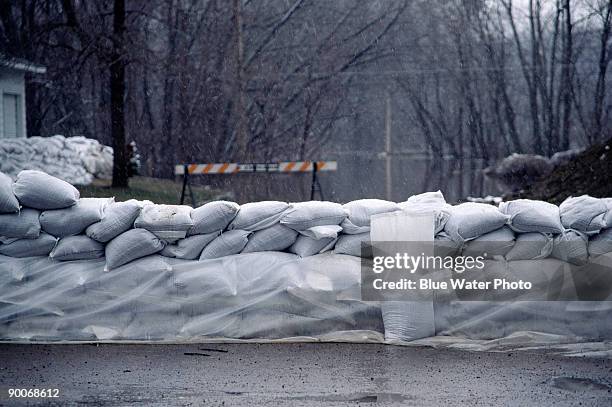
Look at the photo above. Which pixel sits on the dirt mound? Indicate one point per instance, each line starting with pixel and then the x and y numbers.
pixel 587 173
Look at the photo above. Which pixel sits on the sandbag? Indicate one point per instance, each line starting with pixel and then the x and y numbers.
pixel 444 245
pixel 21 225
pixel 351 244
pixel 168 222
pixel 304 215
pixel 584 214
pixel 258 215
pixel 212 217
pixel 41 246
pixel 189 248
pixel 274 238
pixel 469 220
pixel 118 217
pixel 8 201
pixel 305 246
pixel 131 245
pixel 75 219
pixel 571 246
pixel 496 243
pixel 600 243
pixel 230 242
pixel 77 248
pixel 429 202
pixel 38 190
pixel 531 246
pixel 322 232
pixel 360 211
pixel 527 215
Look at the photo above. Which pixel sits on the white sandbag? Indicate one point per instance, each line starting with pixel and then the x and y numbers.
pixel 360 211
pixel 496 243
pixel 531 246
pixel 41 246
pixel 527 215
pixel 600 243
pixel 230 242
pixel 351 244
pixel 75 219
pixel 322 232
pixel 429 202
pixel 189 248
pixel 469 220
pixel 258 215
pixel 22 225
pixel 571 246
pixel 77 248
pixel 213 217
pixel 131 245
pixel 274 238
pixel 38 190
pixel 168 222
pixel 8 201
pixel 305 215
pixel 305 246
pixel 444 245
pixel 118 217
pixel 584 214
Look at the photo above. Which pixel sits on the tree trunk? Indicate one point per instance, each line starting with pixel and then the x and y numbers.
pixel 117 88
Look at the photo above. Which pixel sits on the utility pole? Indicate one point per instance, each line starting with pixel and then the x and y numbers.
pixel 388 167
pixel 241 133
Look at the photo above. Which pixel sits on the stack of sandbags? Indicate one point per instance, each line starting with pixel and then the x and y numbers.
pixel 77 160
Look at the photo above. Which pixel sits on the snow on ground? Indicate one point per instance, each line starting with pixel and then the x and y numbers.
pixel 78 160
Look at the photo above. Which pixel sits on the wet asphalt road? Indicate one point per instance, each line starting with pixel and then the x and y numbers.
pixel 300 374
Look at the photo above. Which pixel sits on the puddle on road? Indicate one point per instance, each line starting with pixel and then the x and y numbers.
pixel 357 397
pixel 579 384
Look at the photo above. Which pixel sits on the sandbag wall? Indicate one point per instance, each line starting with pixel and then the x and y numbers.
pixel 43 216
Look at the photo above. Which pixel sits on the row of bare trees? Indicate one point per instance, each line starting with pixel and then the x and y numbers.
pixel 216 80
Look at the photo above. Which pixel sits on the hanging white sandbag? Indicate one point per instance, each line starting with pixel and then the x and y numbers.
pixel 254 216
pixel 469 220
pixel 527 215
pixel 22 225
pixel 8 201
pixel 213 217
pixel 77 248
pixel 41 246
pixel 189 248
pixel 584 214
pixel 229 243
pixel 531 246
pixel 118 217
pixel 131 245
pixel 75 219
pixel 36 189
pixel 168 222
pixel 274 238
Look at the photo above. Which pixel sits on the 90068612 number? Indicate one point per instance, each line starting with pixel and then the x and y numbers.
pixel 33 393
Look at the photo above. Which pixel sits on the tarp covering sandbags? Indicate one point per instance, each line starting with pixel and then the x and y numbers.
pixel 83 269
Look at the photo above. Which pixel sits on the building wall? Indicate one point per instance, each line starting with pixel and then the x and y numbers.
pixel 13 82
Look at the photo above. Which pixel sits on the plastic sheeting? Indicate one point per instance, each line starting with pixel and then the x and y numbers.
pixel 271 296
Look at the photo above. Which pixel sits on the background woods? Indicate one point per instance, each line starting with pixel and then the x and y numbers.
pixel 254 80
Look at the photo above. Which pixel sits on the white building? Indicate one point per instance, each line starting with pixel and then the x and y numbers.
pixel 12 95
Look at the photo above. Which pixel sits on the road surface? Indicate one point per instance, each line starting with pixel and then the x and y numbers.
pixel 299 375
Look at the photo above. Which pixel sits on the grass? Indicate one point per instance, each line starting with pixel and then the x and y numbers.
pixel 161 191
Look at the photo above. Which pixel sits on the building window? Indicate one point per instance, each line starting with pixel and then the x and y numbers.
pixel 11 115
